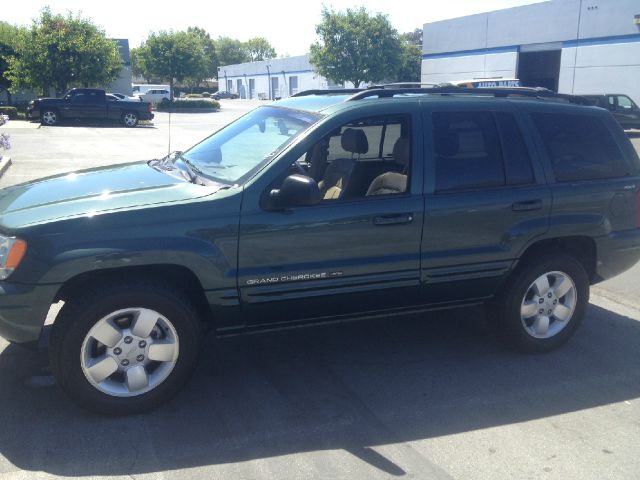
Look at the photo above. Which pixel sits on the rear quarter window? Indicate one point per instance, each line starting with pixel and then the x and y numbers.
pixel 467 151
pixel 580 147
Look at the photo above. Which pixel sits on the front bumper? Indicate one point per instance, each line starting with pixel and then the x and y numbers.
pixel 33 113
pixel 617 252
pixel 23 310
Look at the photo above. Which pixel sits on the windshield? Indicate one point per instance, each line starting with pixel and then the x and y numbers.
pixel 234 153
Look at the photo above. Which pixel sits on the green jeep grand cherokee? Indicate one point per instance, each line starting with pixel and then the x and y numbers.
pixel 323 206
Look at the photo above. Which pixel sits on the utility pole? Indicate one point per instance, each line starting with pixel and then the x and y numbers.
pixel 269 80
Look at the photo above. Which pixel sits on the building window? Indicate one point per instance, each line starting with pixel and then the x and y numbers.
pixel 293 85
pixel 240 89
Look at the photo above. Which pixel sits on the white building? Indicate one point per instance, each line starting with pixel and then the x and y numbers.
pixel 271 79
pixel 572 46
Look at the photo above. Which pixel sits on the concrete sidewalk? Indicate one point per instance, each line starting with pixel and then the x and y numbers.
pixel 20 125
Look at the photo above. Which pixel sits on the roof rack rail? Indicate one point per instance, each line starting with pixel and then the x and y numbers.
pixel 331 91
pixel 403 85
pixel 382 91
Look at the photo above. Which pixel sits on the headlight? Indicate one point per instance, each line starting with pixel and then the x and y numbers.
pixel 11 252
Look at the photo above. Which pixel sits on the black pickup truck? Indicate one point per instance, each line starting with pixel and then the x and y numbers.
pixel 88 104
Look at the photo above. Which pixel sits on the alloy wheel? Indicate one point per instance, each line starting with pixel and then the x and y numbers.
pixel 548 305
pixel 129 352
pixel 130 120
pixel 49 117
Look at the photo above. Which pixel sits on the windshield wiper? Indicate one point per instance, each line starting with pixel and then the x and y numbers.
pixel 167 164
pixel 164 163
pixel 190 164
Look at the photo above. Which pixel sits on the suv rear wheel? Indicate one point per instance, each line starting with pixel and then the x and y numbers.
pixel 129 119
pixel 125 348
pixel 543 303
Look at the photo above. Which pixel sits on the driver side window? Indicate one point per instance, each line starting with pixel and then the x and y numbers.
pixel 366 158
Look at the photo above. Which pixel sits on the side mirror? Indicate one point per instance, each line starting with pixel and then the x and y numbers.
pixel 296 191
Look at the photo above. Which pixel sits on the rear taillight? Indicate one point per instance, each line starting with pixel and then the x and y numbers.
pixel 149 108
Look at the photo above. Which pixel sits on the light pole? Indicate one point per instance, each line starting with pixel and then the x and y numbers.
pixel 269 79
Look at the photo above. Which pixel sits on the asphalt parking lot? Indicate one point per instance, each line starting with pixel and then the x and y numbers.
pixel 425 397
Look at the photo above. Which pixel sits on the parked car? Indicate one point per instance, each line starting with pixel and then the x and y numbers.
pixel 623 109
pixel 224 94
pixel 155 95
pixel 88 104
pixel 122 96
pixel 321 207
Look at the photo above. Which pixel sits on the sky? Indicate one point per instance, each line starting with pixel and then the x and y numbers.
pixel 288 24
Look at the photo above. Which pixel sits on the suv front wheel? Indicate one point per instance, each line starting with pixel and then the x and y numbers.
pixel 543 303
pixel 124 349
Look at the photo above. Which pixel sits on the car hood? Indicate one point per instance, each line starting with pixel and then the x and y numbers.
pixel 92 192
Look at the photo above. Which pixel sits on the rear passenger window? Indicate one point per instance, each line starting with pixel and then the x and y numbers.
pixel 580 147
pixel 467 151
pixel 517 161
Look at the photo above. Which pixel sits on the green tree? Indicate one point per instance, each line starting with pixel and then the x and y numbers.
pixel 414 38
pixel 9 35
pixel 138 66
pixel 231 51
pixel 259 48
pixel 356 46
pixel 63 51
pixel 211 58
pixel 174 56
pixel 410 63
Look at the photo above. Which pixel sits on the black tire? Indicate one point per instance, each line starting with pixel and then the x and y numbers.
pixel 81 313
pixel 507 306
pixel 50 117
pixel 129 119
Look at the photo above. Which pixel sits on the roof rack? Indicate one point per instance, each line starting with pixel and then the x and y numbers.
pixel 332 91
pixel 404 88
pixel 404 85
pixel 384 91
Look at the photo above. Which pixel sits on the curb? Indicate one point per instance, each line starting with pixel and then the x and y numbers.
pixel 5 163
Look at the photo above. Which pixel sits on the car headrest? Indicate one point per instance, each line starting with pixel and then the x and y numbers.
pixel 447 143
pixel 354 141
pixel 402 151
